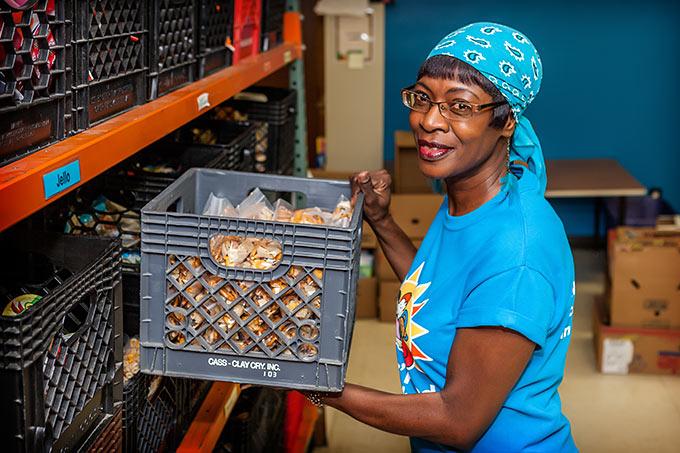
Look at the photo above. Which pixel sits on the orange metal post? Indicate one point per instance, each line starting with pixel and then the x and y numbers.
pixel 207 427
pixel 292 28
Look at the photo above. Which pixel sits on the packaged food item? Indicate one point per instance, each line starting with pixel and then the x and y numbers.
pixel 310 216
pixel 342 214
pixel 203 136
pixel 219 206
pixel 283 211
pixel 131 359
pixel 160 169
pixel 256 206
pixel 20 304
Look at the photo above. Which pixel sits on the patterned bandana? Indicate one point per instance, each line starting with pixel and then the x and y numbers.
pixel 510 61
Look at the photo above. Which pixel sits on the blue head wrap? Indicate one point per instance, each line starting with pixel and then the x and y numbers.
pixel 510 61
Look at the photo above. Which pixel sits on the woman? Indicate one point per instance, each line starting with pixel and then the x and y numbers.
pixel 484 311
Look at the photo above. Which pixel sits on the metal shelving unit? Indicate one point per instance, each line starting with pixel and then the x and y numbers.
pixel 35 181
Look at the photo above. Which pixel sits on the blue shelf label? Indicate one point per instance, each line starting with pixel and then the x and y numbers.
pixel 61 179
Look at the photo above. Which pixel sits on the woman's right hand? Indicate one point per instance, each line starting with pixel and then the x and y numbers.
pixel 376 188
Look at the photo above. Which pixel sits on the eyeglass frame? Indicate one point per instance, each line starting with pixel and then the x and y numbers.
pixel 476 108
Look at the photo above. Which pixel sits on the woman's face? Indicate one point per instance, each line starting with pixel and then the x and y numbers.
pixel 454 148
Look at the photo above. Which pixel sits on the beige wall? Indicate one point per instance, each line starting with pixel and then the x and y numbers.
pixel 354 103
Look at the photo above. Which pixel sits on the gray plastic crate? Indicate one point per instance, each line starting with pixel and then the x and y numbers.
pixel 279 348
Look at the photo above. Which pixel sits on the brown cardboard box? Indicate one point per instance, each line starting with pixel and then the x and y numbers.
pixel 407 175
pixel 382 267
pixel 367 298
pixel 388 293
pixel 330 174
pixel 368 239
pixel 624 350
pixel 644 267
pixel 415 212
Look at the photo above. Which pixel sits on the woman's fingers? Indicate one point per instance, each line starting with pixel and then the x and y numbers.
pixel 356 187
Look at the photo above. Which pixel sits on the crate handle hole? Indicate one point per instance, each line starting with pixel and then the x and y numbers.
pixel 79 318
pixel 245 252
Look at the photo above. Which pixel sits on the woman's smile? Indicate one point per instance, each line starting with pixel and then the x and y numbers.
pixel 433 151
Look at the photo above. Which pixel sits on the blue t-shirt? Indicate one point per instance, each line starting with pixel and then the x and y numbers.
pixel 508 263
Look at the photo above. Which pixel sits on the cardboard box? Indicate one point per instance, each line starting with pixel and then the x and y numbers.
pixel 330 174
pixel 624 350
pixel 367 298
pixel 644 267
pixel 407 175
pixel 388 293
pixel 382 267
pixel 368 238
pixel 415 212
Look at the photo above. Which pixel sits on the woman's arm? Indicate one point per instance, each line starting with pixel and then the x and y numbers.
pixel 398 248
pixel 484 365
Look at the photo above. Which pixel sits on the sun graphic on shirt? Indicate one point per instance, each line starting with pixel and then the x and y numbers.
pixel 408 331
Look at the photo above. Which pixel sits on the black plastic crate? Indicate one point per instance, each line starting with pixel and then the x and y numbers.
pixel 108 436
pixel 34 76
pixel 60 360
pixel 173 46
pixel 272 23
pixel 141 176
pixel 158 411
pixel 289 326
pixel 109 47
pixel 148 419
pixel 256 422
pixel 216 20
pixel 84 213
pixel 276 107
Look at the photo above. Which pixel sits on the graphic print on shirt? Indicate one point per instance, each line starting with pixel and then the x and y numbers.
pixel 408 330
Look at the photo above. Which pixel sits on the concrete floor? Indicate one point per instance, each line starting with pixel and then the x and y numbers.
pixel 608 413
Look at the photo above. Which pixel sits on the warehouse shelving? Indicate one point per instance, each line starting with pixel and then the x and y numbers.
pixel 22 186
pixel 207 426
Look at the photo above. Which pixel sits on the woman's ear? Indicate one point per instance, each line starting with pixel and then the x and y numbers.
pixel 509 127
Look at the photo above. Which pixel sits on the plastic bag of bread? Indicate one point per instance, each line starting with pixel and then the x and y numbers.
pixel 283 211
pixel 219 206
pixel 311 216
pixel 131 359
pixel 342 214
pixel 256 206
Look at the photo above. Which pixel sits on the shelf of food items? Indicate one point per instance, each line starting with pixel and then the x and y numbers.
pixel 86 85
pixel 69 346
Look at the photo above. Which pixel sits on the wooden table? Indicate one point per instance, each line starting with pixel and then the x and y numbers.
pixel 592 178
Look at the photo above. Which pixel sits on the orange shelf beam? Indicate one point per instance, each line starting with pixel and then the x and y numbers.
pixel 103 146
pixel 207 427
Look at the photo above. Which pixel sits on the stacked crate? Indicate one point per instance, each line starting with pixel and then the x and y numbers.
pixel 35 71
pixel 110 58
pixel 60 359
pixel 247 26
pixel 216 22
pixel 276 107
pixel 272 23
pixel 172 53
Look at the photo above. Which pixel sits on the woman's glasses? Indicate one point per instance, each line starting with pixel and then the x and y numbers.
pixel 451 110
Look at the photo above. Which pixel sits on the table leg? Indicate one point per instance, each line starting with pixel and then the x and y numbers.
pixel 622 211
pixel 598 215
